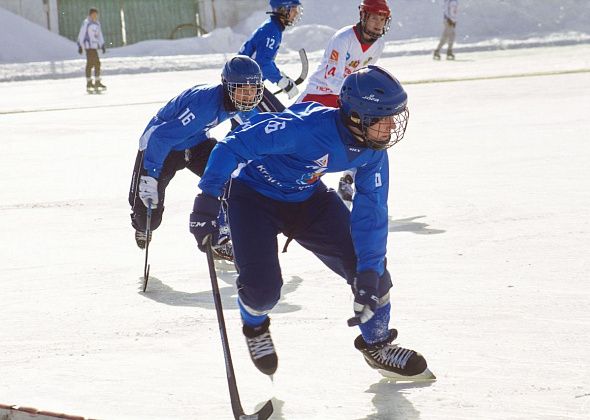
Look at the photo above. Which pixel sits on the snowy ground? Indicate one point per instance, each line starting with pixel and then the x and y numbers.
pixel 488 249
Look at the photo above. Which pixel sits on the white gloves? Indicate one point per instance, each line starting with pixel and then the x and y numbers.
pixel 288 85
pixel 148 190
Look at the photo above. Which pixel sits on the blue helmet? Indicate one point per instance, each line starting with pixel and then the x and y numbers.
pixel 240 72
pixel 367 98
pixel 282 9
pixel 275 4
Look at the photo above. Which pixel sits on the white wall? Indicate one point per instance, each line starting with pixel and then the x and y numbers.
pixel 41 12
pixel 222 13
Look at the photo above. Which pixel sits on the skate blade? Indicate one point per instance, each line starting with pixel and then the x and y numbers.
pixel 426 376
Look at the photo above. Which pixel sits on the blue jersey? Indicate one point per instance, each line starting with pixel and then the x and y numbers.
pixel 283 156
pixel 263 46
pixel 182 123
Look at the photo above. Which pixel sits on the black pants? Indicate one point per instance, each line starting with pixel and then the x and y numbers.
pixel 92 60
pixel 195 159
pixel 320 224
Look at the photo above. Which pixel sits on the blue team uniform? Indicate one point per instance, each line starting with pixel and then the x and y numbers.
pixel 174 139
pixel 263 45
pixel 281 158
pixel 182 124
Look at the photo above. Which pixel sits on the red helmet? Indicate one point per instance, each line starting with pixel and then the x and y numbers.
pixel 379 7
pixel 376 7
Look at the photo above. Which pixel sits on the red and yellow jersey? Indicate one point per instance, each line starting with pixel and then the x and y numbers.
pixel 344 54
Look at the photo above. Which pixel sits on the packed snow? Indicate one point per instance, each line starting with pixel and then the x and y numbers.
pixel 488 246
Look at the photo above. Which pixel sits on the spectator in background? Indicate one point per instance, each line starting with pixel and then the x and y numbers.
pixel 90 39
pixel 448 35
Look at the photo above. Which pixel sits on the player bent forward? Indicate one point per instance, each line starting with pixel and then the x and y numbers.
pixel 278 190
pixel 177 138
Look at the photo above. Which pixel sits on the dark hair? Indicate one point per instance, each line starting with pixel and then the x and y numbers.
pixel 92 10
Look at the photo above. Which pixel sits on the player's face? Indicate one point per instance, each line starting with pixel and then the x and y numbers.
pixel 246 94
pixel 293 15
pixel 94 16
pixel 375 23
pixel 381 130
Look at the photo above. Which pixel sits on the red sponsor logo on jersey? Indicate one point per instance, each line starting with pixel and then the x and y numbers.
pixel 330 73
pixel 347 71
pixel 334 55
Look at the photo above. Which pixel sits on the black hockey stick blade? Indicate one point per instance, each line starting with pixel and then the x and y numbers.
pixel 264 413
pixel 304 69
pixel 266 410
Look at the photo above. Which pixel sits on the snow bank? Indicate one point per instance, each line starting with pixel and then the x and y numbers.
pixel 483 24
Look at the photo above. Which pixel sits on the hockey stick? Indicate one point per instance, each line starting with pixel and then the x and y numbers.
pixel 266 411
pixel 304 70
pixel 146 266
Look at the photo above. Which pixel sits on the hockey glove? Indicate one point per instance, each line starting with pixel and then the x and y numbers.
pixel 288 85
pixel 148 190
pixel 203 222
pixel 80 50
pixel 365 289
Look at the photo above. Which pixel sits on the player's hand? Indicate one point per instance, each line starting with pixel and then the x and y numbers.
pixel 365 288
pixel 104 50
pixel 80 50
pixel 203 221
pixel 288 85
pixel 148 191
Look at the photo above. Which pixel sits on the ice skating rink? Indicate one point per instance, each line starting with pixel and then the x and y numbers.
pixel 489 251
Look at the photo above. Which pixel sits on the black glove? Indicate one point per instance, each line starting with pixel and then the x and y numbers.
pixel 104 50
pixel 80 50
pixel 365 289
pixel 203 222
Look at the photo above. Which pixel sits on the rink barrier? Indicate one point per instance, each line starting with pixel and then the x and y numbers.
pixel 16 412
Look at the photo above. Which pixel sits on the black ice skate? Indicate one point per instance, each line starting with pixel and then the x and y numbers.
pixel 261 347
pixel 224 252
pixel 99 86
pixel 450 55
pixel 393 361
pixel 345 188
pixel 436 55
pixel 89 86
pixel 140 238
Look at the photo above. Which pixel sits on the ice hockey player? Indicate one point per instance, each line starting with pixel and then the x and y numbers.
pixel 450 9
pixel 177 138
pixel 264 43
pixel 90 38
pixel 278 189
pixel 350 49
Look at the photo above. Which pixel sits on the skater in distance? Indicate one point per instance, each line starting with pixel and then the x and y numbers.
pixel 90 39
pixel 281 158
pixel 177 137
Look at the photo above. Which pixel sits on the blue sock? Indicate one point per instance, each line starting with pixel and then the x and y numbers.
pixel 249 319
pixel 376 329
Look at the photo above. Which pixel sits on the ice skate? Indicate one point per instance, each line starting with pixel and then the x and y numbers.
pixel 436 55
pixel 261 347
pixel 89 86
pixel 450 55
pixel 140 238
pixel 99 87
pixel 393 361
pixel 346 188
